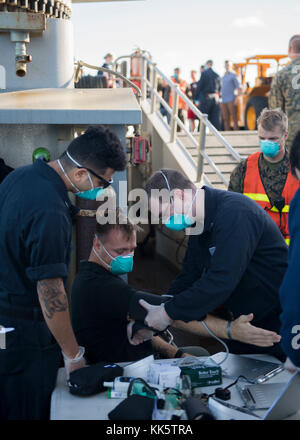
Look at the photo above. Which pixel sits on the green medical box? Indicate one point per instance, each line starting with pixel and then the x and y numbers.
pixel 203 376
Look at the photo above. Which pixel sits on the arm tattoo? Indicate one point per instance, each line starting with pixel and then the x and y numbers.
pixel 53 297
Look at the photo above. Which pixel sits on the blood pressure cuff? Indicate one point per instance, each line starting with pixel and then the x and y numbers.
pixel 136 311
pixel 135 407
pixel 138 325
pixel 89 380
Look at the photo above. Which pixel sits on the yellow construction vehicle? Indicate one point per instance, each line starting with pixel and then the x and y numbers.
pixel 253 99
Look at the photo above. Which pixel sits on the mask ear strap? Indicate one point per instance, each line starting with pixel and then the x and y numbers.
pixel 167 182
pixel 73 160
pixel 165 177
pixel 113 258
pixel 101 259
pixel 192 201
pixel 66 175
pixel 91 182
pixel 78 164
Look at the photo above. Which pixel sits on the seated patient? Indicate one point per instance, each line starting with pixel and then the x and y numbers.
pixel 102 302
pixel 101 299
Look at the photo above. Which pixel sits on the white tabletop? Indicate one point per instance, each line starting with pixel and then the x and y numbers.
pixel 65 406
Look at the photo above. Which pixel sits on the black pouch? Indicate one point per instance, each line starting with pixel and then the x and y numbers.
pixel 196 410
pixel 89 380
pixel 135 407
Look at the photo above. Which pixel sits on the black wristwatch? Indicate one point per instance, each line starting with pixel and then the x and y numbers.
pixel 178 353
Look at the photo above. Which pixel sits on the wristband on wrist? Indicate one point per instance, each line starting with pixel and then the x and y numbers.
pixel 77 358
pixel 228 330
pixel 178 353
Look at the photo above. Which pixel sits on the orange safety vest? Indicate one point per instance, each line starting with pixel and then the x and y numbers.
pixel 253 188
pixel 182 85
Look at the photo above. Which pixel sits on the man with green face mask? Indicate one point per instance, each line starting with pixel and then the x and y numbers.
pixel 265 176
pixel 102 302
pixel 235 258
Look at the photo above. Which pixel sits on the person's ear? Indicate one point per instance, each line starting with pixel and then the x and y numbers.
pixel 286 135
pixel 96 244
pixel 79 174
pixel 297 173
pixel 179 193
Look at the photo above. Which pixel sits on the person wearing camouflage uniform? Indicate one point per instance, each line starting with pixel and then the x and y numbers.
pixel 285 90
pixel 272 175
pixel 273 172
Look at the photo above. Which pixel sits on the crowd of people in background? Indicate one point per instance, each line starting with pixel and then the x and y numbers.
pixel 108 78
pixel 212 94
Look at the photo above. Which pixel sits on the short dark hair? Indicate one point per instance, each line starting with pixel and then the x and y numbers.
pixel 294 43
pixel 123 223
pixel 295 154
pixel 176 181
pixel 98 148
pixel 210 62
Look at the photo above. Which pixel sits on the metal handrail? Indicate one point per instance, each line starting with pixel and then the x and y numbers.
pixel 191 138
pixel 197 112
pixel 210 126
pixel 202 118
pixel 174 120
pixel 81 64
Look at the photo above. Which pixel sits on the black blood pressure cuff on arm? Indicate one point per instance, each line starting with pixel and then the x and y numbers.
pixel 138 325
pixel 136 311
pixel 89 380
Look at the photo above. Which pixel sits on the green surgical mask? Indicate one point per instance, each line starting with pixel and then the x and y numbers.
pixel 179 222
pixel 119 265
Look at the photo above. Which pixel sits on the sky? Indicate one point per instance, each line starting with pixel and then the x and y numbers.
pixel 184 33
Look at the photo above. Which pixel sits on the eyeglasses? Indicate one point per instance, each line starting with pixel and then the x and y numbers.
pixel 105 182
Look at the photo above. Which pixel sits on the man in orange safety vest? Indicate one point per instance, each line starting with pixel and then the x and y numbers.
pixel 176 79
pixel 265 176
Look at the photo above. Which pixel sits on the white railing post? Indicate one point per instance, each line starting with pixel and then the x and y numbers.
pixel 144 82
pixel 201 149
pixel 174 113
pixel 2 77
pixel 154 89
